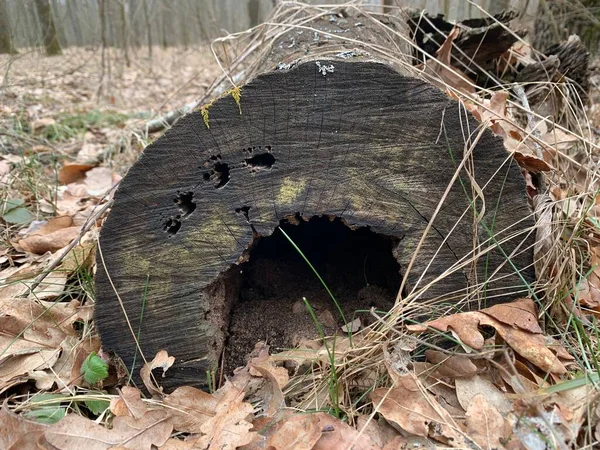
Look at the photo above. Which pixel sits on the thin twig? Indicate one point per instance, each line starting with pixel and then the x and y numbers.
pixel 91 220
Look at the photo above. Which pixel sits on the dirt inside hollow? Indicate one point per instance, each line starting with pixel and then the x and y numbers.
pixel 357 265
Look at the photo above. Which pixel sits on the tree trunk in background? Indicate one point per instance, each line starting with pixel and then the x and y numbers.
pixel 50 38
pixel 6 44
pixel 253 12
pixel 185 35
pixel 105 73
pixel 124 32
pixel 148 29
pixel 164 18
pixel 59 21
pixel 71 10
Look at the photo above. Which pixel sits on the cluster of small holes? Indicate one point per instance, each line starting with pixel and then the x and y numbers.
pixel 260 160
pixel 184 200
pixel 172 224
pixel 217 171
pixel 185 203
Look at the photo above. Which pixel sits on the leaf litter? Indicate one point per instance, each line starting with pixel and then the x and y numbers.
pixel 499 381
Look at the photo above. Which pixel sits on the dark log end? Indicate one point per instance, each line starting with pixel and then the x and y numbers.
pixel 355 142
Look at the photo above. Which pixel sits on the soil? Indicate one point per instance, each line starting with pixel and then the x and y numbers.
pixel 357 266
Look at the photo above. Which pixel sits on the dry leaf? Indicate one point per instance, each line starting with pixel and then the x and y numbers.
pixel 299 432
pixel 273 399
pixel 42 243
pixel 129 403
pixel 55 224
pixel 67 369
pixel 265 361
pixel 76 432
pixel 73 173
pixel 444 393
pixel 161 360
pixel 485 425
pixel 100 180
pixel 191 408
pixel 468 388
pixel 532 346
pixel 353 326
pixel 521 313
pixel 32 334
pixel 531 163
pixel 228 429
pixel 14 429
pixel 336 435
pixel 454 366
pixel 52 286
pixel 380 432
pixel 80 257
pixel 559 140
pixel 413 409
pixel 28 327
pixel 440 72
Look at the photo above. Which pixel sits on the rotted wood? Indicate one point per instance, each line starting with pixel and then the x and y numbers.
pixel 564 62
pixel 480 41
pixel 326 130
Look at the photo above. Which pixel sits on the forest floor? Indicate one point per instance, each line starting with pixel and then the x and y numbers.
pixel 70 127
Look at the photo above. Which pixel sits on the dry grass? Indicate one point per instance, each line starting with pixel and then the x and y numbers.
pixel 566 213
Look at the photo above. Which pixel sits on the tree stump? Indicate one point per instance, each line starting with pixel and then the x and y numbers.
pixel 351 155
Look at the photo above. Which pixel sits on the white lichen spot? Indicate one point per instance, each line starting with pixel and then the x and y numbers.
pixel 323 69
pixel 288 66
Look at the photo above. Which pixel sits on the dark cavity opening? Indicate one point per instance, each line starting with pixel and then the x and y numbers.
pixel 357 265
pixel 261 161
pixel 185 203
pixel 172 225
pixel 218 171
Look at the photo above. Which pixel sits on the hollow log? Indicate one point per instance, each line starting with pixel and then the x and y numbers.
pixel 331 132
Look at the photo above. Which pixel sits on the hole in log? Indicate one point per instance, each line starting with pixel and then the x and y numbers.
pixel 261 161
pixel 172 225
pixel 185 203
pixel 218 171
pixel 245 210
pixel 357 265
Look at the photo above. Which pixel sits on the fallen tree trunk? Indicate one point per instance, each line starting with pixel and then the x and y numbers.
pixel 332 133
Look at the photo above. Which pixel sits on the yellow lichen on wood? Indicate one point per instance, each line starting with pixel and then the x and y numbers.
pixel 236 93
pixel 290 190
pixel 212 228
pixel 204 112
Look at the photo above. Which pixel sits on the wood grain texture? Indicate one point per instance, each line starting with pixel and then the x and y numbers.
pixel 360 142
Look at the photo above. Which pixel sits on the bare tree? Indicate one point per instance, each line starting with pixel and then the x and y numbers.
pixel 72 11
pixel 148 29
pixel 253 11
pixel 51 43
pixel 6 43
pixel 124 32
